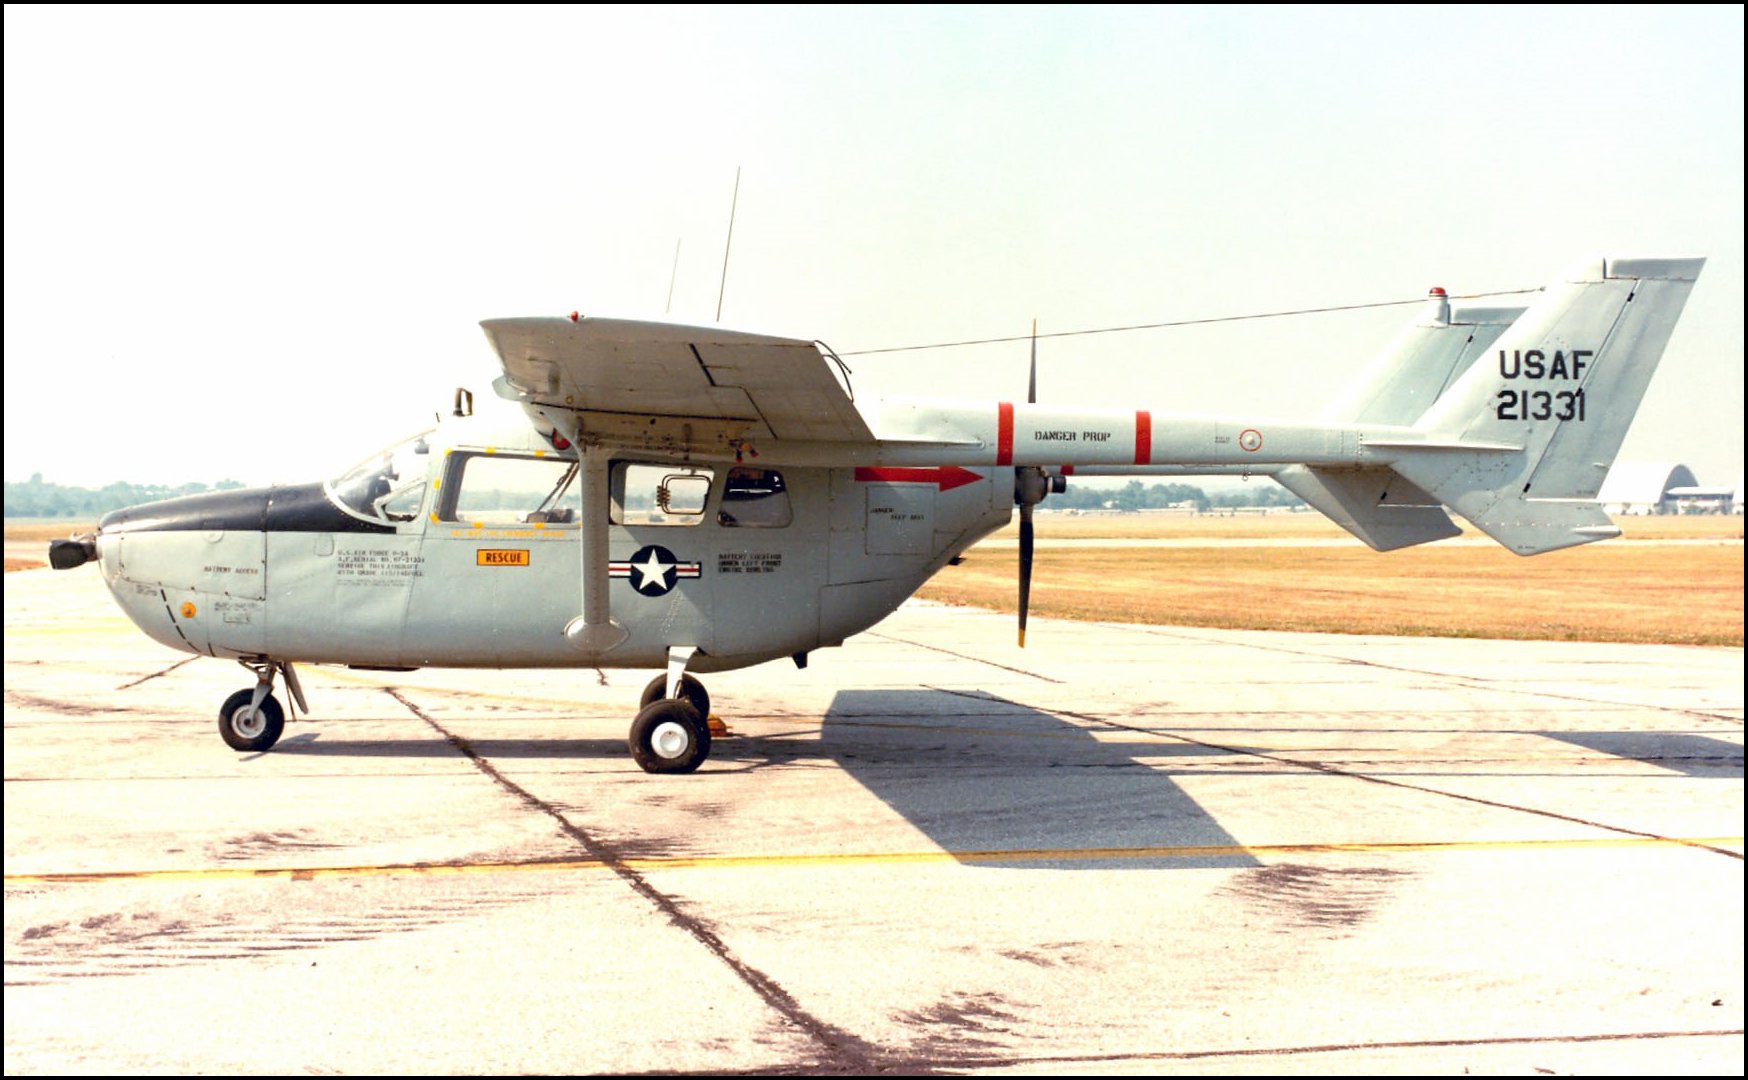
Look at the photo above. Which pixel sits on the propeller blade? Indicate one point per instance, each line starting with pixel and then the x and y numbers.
pixel 1025 566
pixel 1029 487
pixel 1032 383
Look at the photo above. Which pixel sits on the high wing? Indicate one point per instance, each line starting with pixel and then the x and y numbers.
pixel 619 373
pixel 664 388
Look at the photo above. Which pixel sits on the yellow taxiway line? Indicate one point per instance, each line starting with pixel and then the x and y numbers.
pixel 875 858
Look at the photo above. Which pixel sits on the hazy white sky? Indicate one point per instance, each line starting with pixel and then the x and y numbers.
pixel 256 243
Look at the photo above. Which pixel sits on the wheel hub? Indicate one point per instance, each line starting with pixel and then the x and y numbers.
pixel 248 723
pixel 670 740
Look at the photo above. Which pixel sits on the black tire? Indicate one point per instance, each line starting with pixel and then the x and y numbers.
pixel 690 689
pixel 669 736
pixel 258 732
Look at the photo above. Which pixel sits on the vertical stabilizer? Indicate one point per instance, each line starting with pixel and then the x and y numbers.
pixel 1553 401
pixel 1419 364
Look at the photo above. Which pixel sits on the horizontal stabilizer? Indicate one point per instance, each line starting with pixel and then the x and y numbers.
pixel 1376 505
pixel 1534 526
pixel 1484 488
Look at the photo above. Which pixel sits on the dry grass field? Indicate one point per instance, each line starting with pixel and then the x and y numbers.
pixel 1675 580
pixel 27 541
pixel 1307 524
pixel 39 529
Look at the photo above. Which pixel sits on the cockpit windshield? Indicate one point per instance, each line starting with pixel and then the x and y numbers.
pixel 387 486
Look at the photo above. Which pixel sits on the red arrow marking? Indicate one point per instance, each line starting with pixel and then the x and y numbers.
pixel 948 477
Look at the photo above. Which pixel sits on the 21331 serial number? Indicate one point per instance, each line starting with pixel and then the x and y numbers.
pixel 1541 405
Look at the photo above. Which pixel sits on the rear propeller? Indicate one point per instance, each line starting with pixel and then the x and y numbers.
pixel 1031 484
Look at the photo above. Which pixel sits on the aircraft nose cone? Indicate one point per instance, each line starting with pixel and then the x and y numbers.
pixel 241 510
pixel 72 552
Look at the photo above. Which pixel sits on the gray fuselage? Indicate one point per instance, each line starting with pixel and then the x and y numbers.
pixel 745 564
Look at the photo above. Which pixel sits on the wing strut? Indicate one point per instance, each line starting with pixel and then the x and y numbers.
pixel 594 631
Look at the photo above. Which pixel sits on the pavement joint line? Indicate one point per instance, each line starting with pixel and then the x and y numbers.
pixel 156 674
pixel 1190 767
pixel 1370 778
pixel 316 672
pixel 100 624
pixel 1473 682
pixel 839 1049
pixel 871 858
pixel 962 656
pixel 998 1060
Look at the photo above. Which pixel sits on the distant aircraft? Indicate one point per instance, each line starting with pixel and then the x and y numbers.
pixel 695 499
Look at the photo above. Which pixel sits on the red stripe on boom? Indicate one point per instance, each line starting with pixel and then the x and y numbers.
pixel 1004 433
pixel 1143 438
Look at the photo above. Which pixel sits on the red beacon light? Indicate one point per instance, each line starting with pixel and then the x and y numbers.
pixel 559 442
pixel 1440 305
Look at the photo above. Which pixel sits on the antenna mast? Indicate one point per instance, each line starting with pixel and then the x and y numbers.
pixel 675 276
pixel 735 202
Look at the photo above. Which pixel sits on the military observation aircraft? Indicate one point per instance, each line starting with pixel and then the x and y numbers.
pixel 696 499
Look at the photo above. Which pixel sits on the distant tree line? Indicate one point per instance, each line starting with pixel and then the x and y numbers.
pixel 36 499
pixel 1136 496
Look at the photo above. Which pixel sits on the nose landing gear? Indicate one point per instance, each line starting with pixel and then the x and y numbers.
pixel 252 720
pixel 249 725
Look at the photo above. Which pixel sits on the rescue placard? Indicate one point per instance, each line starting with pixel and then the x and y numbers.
pixel 501 557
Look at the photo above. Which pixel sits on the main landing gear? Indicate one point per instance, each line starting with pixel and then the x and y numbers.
pixel 672 734
pixel 252 720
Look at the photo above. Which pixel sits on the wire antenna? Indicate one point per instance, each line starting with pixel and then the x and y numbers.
pixel 1181 322
pixel 733 204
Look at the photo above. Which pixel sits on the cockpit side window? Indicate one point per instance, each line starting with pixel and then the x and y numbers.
pixel 388 486
pixel 488 489
pixel 754 499
pixel 659 494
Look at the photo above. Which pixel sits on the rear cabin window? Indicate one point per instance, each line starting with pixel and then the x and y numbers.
pixel 754 499
pixel 504 489
pixel 660 494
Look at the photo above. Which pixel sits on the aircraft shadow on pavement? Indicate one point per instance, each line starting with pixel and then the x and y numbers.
pixel 1690 755
pixel 981 776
